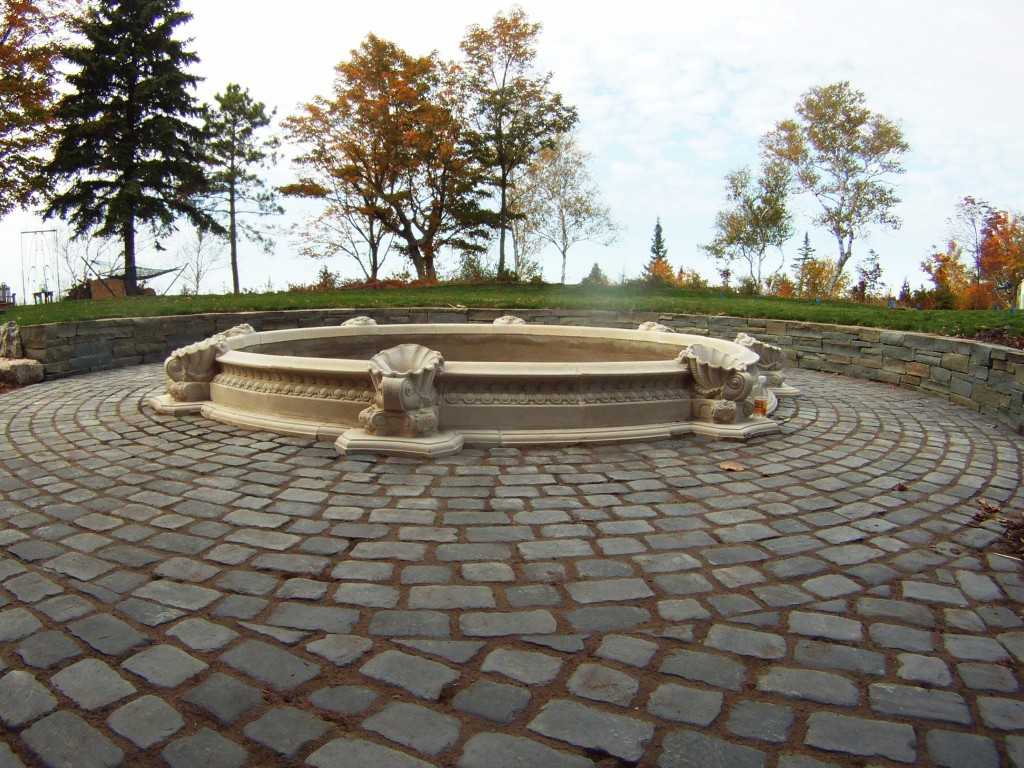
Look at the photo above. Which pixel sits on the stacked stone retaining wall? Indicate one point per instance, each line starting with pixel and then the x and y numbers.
pixel 982 377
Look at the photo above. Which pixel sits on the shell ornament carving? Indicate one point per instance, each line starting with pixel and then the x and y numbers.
pixel 717 374
pixel 772 362
pixel 239 330
pixel 509 320
pixel 405 396
pixel 772 358
pixel 192 368
pixel 361 320
pixel 655 327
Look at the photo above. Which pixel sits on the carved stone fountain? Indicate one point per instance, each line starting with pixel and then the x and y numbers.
pixel 427 390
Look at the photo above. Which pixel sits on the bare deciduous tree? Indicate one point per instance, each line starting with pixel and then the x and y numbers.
pixel 561 201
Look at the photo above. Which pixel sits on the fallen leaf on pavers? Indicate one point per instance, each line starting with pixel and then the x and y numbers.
pixel 732 466
pixel 900 487
pixel 1013 535
pixel 990 506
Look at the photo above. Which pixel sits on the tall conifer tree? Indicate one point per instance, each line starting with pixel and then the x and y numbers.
pixel 659 252
pixel 234 150
pixel 128 153
pixel 658 270
pixel 804 256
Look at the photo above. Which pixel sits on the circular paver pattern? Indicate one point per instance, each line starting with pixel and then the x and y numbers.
pixel 180 592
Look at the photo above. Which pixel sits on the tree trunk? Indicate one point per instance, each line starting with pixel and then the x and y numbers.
pixel 760 261
pixel 373 241
pixel 233 236
pixel 427 255
pixel 131 283
pixel 565 242
pixel 416 257
pixel 374 247
pixel 502 224
pixel 415 254
pixel 845 251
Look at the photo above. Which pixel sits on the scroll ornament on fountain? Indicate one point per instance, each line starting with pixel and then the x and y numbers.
pixel 403 419
pixel 405 403
pixel 191 369
pixel 723 382
pixel 772 361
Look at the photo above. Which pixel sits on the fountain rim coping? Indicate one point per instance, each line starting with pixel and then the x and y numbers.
pixel 679 341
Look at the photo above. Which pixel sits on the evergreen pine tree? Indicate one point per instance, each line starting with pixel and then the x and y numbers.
pixel 233 150
pixel 804 255
pixel 658 269
pixel 658 249
pixel 127 153
pixel 596 276
pixel 869 277
pixel 906 297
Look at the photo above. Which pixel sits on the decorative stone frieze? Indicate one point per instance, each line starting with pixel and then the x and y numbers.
pixel 567 392
pixel 536 385
pixel 305 385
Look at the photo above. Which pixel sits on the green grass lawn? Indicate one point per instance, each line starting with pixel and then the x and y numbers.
pixel 626 298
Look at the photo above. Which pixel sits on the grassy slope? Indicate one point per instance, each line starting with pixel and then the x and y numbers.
pixel 954 323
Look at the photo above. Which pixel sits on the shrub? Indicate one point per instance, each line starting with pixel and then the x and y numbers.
pixel 691 279
pixel 596 276
pixel 659 272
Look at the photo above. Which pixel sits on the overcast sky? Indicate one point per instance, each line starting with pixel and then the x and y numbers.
pixel 671 96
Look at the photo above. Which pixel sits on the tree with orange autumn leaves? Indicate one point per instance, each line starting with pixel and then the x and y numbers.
pixel 1002 254
pixel 993 242
pixel 386 144
pixel 946 270
pixel 30 32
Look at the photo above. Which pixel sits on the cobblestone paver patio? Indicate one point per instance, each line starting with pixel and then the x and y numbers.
pixel 182 593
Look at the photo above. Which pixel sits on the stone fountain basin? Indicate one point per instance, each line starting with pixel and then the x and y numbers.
pixel 501 385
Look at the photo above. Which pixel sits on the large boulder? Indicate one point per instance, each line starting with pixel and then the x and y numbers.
pixel 19 373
